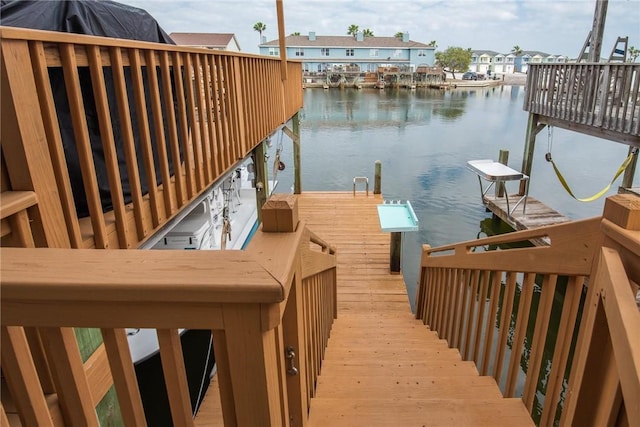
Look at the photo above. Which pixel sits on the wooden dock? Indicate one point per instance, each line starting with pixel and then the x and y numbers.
pixel 536 215
pixel 383 367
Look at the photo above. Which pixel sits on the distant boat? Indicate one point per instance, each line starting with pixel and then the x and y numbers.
pixel 380 84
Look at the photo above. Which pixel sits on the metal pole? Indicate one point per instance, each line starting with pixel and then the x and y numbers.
pixel 297 181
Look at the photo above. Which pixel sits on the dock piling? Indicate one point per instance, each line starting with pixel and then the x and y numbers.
pixel 377 183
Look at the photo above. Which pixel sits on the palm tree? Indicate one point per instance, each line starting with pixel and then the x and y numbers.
pixel 260 27
pixel 517 52
pixel 399 35
pixel 367 32
pixel 633 54
pixel 297 33
pixel 433 43
pixel 353 30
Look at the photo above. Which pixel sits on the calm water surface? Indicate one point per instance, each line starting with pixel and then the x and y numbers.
pixel 424 139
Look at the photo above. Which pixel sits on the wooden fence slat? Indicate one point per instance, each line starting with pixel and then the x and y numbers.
pixel 181 71
pixel 203 118
pixel 158 128
pixel 193 115
pixel 505 320
pixel 124 116
pixel 22 378
pixel 124 377
pixel 168 79
pixel 54 140
pixel 468 350
pixel 83 145
pixel 491 318
pixel 543 316
pixel 479 322
pixel 563 344
pixel 209 98
pixel 108 144
pixel 521 328
pixel 157 215
pixel 73 389
pixel 175 377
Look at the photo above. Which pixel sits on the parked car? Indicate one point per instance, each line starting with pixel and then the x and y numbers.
pixel 470 75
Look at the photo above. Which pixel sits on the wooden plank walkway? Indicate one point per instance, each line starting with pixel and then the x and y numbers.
pixel 383 367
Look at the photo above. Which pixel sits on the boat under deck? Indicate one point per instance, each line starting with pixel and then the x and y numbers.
pixel 383 367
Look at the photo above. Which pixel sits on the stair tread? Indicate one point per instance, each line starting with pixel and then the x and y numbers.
pixel 477 412
pixel 368 387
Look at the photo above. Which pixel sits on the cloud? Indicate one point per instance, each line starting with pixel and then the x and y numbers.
pixel 558 26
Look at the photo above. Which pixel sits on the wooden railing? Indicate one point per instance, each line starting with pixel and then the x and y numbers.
pixel 600 99
pixel 276 298
pixel 113 150
pixel 500 308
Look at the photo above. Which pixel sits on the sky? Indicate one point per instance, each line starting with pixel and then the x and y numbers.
pixel 554 27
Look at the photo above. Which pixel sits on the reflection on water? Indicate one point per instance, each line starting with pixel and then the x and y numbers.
pixel 424 139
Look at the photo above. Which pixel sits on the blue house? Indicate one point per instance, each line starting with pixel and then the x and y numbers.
pixel 321 54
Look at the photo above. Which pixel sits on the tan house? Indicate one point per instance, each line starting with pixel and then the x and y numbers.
pixel 214 41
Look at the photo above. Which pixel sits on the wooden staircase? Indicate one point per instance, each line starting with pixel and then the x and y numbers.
pixel 383 367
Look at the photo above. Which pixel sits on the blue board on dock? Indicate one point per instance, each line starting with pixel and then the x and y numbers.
pixel 397 217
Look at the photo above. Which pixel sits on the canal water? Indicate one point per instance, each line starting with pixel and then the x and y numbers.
pixel 424 139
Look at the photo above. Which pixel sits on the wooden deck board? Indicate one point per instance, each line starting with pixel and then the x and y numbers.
pixel 383 367
pixel 536 215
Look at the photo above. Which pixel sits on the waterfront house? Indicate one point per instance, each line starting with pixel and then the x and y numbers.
pixel 500 63
pixel 214 41
pixel 321 54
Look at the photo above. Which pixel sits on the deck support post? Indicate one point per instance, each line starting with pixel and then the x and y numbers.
pixel 627 178
pixel 377 180
pixel 395 251
pixel 533 128
pixel 295 137
pixel 297 181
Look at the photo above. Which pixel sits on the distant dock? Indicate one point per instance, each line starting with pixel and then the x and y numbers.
pixel 536 215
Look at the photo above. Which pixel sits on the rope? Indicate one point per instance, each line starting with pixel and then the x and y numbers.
pixel 563 181
pixel 600 193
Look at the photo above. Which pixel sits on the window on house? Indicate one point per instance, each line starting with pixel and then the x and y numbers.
pixel 299 51
pixel 397 53
pixel 273 51
pixel 305 67
pixel 422 52
pixel 373 52
pixel 499 59
pixel 474 59
pixel 324 51
pixel 349 52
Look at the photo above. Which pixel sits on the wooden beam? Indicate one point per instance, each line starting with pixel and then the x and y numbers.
pixel 281 39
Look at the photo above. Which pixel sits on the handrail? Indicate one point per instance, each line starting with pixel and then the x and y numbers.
pixel 241 296
pixel 127 148
pixel 462 295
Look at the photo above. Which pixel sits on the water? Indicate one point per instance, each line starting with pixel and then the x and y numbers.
pixel 424 139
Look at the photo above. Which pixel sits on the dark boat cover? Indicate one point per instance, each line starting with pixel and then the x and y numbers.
pixel 99 18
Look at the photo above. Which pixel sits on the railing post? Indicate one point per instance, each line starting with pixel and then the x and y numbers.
pixel 261 178
pixel 503 158
pixel 280 214
pixel 253 368
pixel 297 179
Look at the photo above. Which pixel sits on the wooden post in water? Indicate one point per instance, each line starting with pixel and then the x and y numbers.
pixel 260 176
pixel 395 251
pixel 377 180
pixel 503 158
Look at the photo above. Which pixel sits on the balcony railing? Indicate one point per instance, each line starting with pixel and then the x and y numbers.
pixel 600 99
pixel 496 307
pixel 117 136
pixel 280 293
